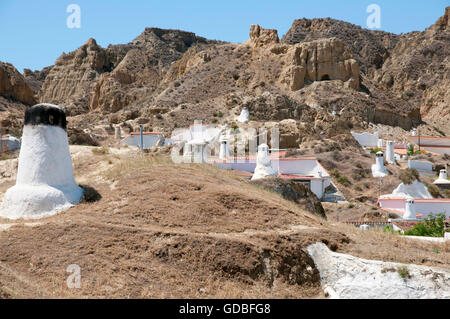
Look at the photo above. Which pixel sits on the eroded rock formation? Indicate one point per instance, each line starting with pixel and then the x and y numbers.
pixel 13 85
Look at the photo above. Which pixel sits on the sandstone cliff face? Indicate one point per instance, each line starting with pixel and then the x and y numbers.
pixel 327 59
pixel 168 78
pixel 35 79
pixel 68 82
pixel 13 85
pixel 370 48
pixel 142 69
pixel 262 37
pixel 418 72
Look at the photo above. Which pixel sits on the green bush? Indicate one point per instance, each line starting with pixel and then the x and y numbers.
pixel 376 150
pixel 432 226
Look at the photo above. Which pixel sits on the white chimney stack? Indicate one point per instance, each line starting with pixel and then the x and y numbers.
pixel 263 163
pixel 223 153
pixel 380 143
pixel 410 210
pixel 443 178
pixel 45 183
pixel 390 157
pixel 378 169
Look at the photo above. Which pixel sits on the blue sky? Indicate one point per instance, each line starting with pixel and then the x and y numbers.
pixel 34 33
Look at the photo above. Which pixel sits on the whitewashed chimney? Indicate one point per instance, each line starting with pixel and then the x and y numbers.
pixel 410 210
pixel 390 157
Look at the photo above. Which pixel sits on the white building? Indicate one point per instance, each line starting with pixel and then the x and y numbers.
pixel 307 171
pixel 366 139
pixel 423 206
pixel 150 139
pixel 437 145
pixel 9 143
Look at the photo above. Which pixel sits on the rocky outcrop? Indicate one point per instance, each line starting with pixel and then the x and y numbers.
pixel 13 85
pixel 261 37
pixel 327 59
pixel 68 82
pixel 143 68
pixel 443 23
pixel 370 48
pixel 293 191
pixel 35 79
pixel 417 72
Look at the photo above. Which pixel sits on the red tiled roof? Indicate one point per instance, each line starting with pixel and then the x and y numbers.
pixel 290 176
pixel 398 212
pixel 404 225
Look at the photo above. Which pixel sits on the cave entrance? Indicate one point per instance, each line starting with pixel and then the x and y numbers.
pixel 325 77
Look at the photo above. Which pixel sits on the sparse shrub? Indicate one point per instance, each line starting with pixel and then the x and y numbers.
pixel 90 195
pixel 375 150
pixel 408 176
pixel 335 173
pixel 367 185
pixel 404 272
pixel 337 156
pixel 351 206
pixel 100 150
pixel 360 173
pixel 344 181
pixel 358 188
pixel 434 190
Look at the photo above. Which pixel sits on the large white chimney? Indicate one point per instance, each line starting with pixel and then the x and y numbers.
pixel 410 210
pixel 223 152
pixel 390 157
pixel 45 183
pixel 263 163
pixel 378 169
pixel 443 178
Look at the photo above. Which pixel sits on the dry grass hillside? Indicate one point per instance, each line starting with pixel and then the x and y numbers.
pixel 175 231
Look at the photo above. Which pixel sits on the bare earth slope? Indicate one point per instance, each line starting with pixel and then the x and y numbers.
pixel 176 231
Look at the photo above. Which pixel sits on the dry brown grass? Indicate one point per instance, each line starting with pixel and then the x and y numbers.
pixel 163 230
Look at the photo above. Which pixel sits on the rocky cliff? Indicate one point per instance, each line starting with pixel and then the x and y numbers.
pixel 323 71
pixel 14 86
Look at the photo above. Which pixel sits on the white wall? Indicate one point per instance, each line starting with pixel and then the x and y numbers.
pixel 420 165
pixel 135 140
pixel 366 139
pixel 427 208
pixel 423 207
